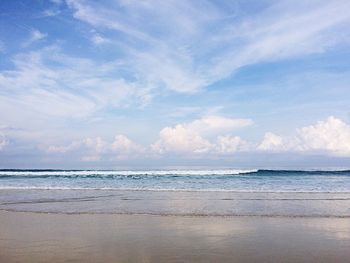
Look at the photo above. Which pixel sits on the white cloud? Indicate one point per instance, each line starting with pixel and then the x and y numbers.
pixel 154 60
pixel 191 45
pixel 97 145
pixel 64 149
pixel 192 137
pixel 330 136
pixel 124 145
pixel 48 83
pixel 231 144
pixel 271 142
pixel 35 35
pixel 94 149
pixel 99 40
pixel 50 13
pixel 123 148
pixel 205 135
pixel 47 90
pixel 181 139
pixel 213 125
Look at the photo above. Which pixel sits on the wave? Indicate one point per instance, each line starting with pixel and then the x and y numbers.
pixel 115 173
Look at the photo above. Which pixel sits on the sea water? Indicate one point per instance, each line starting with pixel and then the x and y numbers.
pixel 226 192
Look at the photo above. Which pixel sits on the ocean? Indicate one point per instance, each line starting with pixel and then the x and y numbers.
pixel 226 192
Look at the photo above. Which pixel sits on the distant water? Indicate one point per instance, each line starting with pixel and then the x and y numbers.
pixel 178 192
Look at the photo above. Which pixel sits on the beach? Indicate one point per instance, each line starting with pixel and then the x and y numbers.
pixel 174 216
pixel 45 237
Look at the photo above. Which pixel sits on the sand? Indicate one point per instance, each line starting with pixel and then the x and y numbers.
pixel 40 237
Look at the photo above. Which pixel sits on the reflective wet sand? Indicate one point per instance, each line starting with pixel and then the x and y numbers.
pixel 40 237
pixel 188 203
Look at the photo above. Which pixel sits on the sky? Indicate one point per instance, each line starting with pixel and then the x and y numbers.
pixel 150 84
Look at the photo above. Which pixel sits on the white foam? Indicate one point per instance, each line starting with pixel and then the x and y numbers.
pixel 127 173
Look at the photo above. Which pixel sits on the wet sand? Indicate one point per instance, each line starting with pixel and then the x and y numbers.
pixel 40 237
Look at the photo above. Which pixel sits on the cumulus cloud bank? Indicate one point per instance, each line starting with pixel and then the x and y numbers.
pixel 193 137
pixel 331 136
pixel 213 136
pixel 93 149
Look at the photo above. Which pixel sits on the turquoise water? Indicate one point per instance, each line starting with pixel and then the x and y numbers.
pixel 226 192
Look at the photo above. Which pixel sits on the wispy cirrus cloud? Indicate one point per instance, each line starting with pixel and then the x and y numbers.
pixel 50 13
pixel 49 83
pixel 169 51
pixel 98 39
pixel 35 35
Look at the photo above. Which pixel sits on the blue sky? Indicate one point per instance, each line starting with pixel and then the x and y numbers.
pixel 116 84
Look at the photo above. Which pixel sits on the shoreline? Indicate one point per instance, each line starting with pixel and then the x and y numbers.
pixel 175 215
pixel 172 190
pixel 322 205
